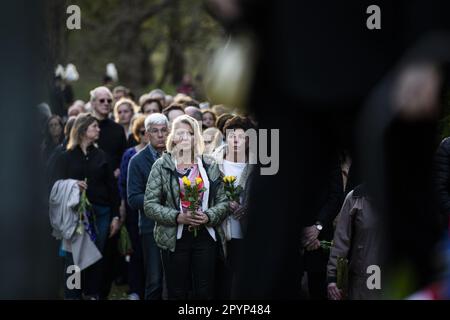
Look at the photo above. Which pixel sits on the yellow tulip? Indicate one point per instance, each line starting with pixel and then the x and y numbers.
pixel 186 181
pixel 198 180
pixel 229 179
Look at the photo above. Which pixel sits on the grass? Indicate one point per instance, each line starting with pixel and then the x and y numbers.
pixel 118 292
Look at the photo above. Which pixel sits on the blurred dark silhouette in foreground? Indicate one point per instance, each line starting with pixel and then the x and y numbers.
pixel 335 84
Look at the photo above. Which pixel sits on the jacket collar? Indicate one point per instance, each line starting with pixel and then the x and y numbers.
pixel 150 153
pixel 89 149
pixel 219 155
pixel 167 161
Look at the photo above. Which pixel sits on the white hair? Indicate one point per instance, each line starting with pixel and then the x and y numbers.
pixel 95 91
pixel 155 119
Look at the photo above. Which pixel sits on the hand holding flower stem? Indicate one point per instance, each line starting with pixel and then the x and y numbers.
pixel 192 194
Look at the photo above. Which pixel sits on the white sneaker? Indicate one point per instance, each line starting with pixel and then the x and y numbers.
pixel 133 296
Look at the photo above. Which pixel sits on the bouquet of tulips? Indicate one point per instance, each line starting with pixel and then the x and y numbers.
pixel 326 244
pixel 125 246
pixel 232 192
pixel 86 218
pixel 342 274
pixel 192 196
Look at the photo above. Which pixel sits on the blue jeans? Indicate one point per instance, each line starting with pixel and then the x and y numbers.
pixel 91 276
pixel 153 267
pixel 136 273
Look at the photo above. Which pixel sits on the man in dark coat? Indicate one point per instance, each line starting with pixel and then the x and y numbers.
pixel 112 140
pixel 328 199
pixel 156 126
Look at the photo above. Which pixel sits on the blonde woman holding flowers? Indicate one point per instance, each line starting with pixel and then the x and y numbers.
pixel 188 238
pixel 233 158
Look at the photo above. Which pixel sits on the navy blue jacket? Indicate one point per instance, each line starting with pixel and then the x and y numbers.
pixel 138 172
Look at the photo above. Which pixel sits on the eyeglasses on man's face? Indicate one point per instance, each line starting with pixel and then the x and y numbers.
pixel 155 131
pixel 105 100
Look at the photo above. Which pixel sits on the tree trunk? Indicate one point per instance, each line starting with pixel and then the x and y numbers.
pixel 176 67
pixel 146 74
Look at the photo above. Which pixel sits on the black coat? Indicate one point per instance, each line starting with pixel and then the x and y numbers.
pixel 95 167
pixel 320 62
pixel 112 140
pixel 442 178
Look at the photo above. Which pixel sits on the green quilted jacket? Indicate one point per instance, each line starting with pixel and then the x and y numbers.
pixel 162 201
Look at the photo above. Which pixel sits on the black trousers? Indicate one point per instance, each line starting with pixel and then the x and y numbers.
pixel 316 267
pixel 227 271
pixel 193 261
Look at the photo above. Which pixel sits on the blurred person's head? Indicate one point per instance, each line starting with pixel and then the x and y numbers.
pixel 213 138
pixel 79 103
pixel 193 103
pixel 220 122
pixel 219 109
pixel 74 110
pixel 235 130
pixel 173 111
pixel 138 129
pixel 88 107
pixel 150 106
pixel 187 79
pixel 186 101
pixel 157 130
pixel 182 98
pixel 101 101
pixel 209 118
pixel 169 100
pixel 144 97
pixel 194 113
pixel 68 127
pixel 55 127
pixel 124 111
pixel 85 131
pixel 43 113
pixel 185 138
pixel 120 92
pixel 158 94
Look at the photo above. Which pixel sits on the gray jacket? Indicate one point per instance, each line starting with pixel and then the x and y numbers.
pixel 358 239
pixel 64 198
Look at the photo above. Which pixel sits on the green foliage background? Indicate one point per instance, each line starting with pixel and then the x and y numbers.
pixel 151 42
